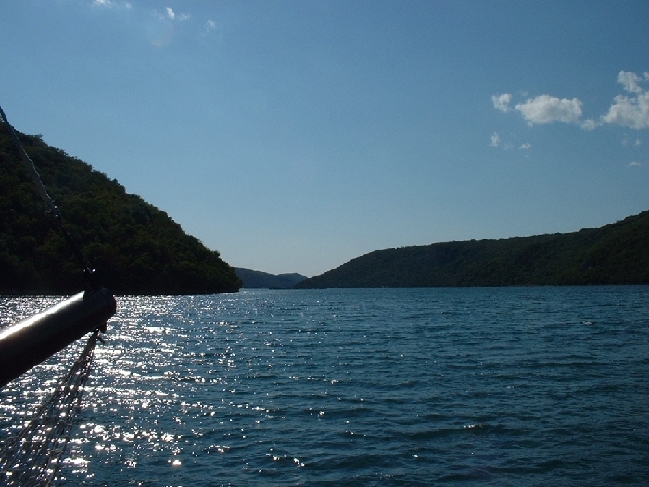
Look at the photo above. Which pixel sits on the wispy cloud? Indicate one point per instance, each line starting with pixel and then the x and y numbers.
pixel 590 124
pixel 158 24
pixel 112 4
pixel 526 146
pixel 626 141
pixel 495 139
pixel 171 15
pixel 501 102
pixel 209 28
pixel 635 163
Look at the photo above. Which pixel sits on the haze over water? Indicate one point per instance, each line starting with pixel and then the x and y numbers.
pixel 503 386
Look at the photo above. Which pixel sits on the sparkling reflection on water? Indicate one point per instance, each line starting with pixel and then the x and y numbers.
pixel 534 386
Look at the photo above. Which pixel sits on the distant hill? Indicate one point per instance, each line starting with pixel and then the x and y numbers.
pixel 135 247
pixel 614 254
pixel 258 279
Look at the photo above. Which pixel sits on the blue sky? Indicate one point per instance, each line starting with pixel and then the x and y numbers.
pixel 294 136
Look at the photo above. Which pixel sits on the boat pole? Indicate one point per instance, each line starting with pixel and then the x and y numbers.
pixel 31 341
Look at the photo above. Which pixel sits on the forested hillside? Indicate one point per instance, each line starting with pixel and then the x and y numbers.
pixel 614 254
pixel 135 247
pixel 257 279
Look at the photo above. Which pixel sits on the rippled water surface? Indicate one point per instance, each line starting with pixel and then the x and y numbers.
pixel 505 386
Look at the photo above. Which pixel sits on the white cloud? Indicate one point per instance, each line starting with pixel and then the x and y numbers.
pixel 635 163
pixel 548 109
pixel 630 112
pixel 495 139
pixel 501 102
pixel 637 142
pixel 526 145
pixel 170 13
pixel 630 81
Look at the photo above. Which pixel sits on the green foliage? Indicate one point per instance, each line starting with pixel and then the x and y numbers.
pixel 613 254
pixel 135 247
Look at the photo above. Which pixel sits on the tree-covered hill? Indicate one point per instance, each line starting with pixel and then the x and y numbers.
pixel 614 254
pixel 135 247
pixel 257 279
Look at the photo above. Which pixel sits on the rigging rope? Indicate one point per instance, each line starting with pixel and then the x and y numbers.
pixel 90 280
pixel 31 169
pixel 32 458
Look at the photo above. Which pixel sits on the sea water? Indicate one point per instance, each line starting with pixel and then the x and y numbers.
pixel 477 386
